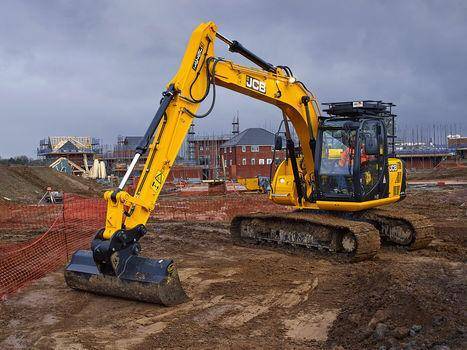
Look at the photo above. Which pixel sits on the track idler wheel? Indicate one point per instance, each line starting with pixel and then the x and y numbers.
pixel 349 243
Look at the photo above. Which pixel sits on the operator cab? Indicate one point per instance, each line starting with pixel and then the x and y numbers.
pixel 351 154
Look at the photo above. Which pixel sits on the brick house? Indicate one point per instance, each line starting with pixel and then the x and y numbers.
pixel 250 154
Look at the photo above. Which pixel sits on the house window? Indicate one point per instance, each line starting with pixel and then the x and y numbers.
pixel 231 162
pixel 243 148
pixel 230 149
pixel 244 161
pixel 202 161
pixel 278 161
pixel 254 148
pixel 272 148
pixel 200 148
pixel 268 161
pixel 261 162
pixel 253 161
pixel 225 150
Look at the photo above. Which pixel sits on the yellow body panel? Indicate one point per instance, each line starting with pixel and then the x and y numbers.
pixel 395 168
pixel 251 183
pixel 354 206
pixel 284 191
pixel 283 186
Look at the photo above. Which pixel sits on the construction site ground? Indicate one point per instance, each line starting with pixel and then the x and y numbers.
pixel 27 184
pixel 441 173
pixel 247 297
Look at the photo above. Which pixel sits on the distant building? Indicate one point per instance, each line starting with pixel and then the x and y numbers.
pixel 459 144
pixel 202 157
pixel 205 153
pixel 250 154
pixel 78 149
pixel 123 152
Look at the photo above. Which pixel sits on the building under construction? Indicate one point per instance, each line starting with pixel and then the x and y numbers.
pixel 458 143
pixel 120 156
pixel 79 149
pixel 199 158
pixel 203 154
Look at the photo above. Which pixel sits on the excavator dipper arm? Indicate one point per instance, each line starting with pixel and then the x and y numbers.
pixel 113 265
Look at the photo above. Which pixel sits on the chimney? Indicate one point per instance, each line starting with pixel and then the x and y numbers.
pixel 236 125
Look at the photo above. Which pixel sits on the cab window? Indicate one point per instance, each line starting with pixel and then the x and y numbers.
pixel 337 155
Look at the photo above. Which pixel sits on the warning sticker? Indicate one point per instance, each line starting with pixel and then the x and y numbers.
pixel 157 183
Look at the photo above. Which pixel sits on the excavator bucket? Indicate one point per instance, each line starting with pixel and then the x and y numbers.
pixel 136 278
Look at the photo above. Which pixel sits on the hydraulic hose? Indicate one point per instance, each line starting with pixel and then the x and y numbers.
pixel 211 79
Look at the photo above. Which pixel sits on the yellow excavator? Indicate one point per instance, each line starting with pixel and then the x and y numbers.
pixel 338 169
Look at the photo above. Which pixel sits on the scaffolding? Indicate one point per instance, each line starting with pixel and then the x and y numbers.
pixel 74 148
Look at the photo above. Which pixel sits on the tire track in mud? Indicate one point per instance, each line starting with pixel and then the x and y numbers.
pixel 226 285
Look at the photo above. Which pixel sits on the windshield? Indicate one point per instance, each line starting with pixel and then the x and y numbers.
pixel 337 152
pixel 336 167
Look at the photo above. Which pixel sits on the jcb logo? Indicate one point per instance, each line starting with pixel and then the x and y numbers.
pixel 393 167
pixel 255 84
pixel 198 56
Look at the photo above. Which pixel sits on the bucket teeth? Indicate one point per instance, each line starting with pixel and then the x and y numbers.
pixel 141 279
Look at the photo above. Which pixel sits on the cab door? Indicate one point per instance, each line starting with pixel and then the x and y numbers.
pixel 370 167
pixel 335 154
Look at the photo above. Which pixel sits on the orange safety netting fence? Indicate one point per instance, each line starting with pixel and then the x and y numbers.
pixel 49 234
pixel 38 239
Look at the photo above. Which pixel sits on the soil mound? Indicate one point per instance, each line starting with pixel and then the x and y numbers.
pixel 27 184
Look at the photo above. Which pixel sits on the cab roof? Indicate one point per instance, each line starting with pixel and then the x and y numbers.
pixel 359 109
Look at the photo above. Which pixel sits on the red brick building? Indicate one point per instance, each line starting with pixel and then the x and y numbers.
pixel 245 155
pixel 250 154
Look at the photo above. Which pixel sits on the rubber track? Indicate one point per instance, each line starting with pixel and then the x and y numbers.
pixel 367 236
pixel 423 229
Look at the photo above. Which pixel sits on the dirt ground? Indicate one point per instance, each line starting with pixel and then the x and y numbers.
pixel 27 184
pixel 441 173
pixel 245 297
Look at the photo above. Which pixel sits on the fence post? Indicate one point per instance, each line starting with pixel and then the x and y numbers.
pixel 64 225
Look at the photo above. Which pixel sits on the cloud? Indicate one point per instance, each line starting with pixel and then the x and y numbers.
pixel 98 67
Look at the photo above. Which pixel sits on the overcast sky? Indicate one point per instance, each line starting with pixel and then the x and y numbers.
pixel 98 67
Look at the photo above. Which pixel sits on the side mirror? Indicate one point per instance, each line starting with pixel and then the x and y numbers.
pixel 278 143
pixel 371 145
